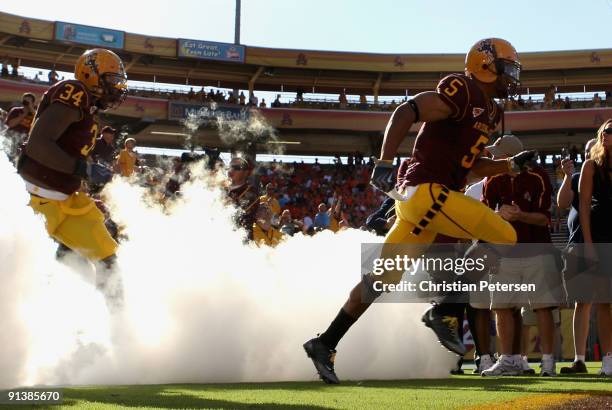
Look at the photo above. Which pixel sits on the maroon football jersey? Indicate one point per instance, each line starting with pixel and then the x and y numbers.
pixel 531 191
pixel 444 151
pixel 77 141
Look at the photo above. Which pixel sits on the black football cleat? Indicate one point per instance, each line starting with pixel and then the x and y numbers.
pixel 577 367
pixel 446 329
pixel 323 360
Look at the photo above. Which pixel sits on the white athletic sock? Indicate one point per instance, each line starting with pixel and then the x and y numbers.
pixel 579 358
pixel 516 358
pixel 525 358
pixel 547 357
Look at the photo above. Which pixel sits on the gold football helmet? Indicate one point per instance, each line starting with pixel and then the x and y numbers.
pixel 494 60
pixel 103 74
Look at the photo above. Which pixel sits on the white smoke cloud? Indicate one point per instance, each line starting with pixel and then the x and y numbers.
pixel 200 305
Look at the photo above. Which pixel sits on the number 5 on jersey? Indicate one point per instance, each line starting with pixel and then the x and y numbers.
pixel 468 160
pixel 453 87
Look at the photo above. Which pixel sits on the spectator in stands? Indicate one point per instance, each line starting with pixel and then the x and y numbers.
pixel 242 98
pixel 568 197
pixel 338 160
pixel 308 224
pixel 232 98
pixel 20 118
pixel 596 100
pixel 191 95
pixel 53 77
pixel 104 151
pixel 595 189
pixel 529 103
pixel 334 212
pixel 342 100
pixel 299 96
pixel 567 104
pixel 264 233
pixel 262 104
pixel 573 153
pixel 128 158
pixel 549 96
pixel 358 158
pixel 344 222
pixel 253 100
pixel 276 103
pixel 288 225
pixel 322 218
pixel 363 102
pixel 5 70
pixel 269 200
pixel 15 70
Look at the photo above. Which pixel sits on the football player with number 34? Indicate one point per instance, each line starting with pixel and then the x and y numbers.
pixel 459 118
pixel 53 162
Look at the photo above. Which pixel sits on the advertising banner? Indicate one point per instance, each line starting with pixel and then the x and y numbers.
pixel 208 50
pixel 95 36
pixel 180 111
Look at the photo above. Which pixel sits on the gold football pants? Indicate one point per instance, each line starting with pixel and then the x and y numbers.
pixel 77 223
pixel 434 209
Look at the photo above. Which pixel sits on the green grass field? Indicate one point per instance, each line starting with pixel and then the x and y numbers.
pixel 467 391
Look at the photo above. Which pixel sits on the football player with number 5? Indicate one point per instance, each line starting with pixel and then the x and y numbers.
pixel 458 118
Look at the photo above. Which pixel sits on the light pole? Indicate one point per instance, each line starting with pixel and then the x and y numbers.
pixel 237 24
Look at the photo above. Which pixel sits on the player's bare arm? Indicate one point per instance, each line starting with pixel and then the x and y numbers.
pixel 429 108
pixel 485 167
pixel 48 128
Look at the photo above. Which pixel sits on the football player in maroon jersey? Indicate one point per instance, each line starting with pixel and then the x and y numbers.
pixel 458 118
pixel 54 162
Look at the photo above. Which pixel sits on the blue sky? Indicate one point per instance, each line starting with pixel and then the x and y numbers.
pixel 380 26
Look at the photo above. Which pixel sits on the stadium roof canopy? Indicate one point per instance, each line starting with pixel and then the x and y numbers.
pixel 48 44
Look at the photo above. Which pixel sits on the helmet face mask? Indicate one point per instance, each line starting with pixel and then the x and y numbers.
pixel 508 74
pixel 114 88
